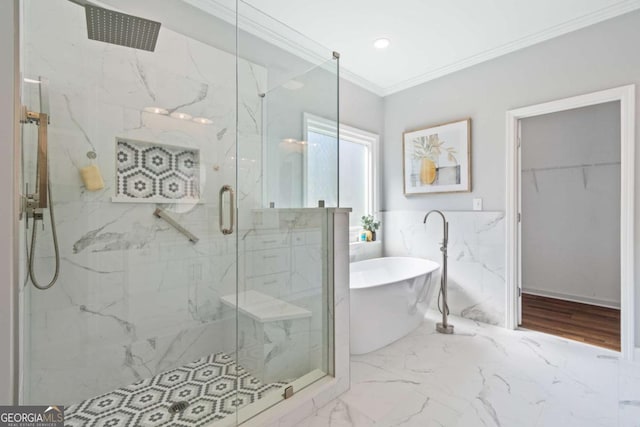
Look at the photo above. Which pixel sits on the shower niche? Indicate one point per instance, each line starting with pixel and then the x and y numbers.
pixel 143 326
pixel 156 173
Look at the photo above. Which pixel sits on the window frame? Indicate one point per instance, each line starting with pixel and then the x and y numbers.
pixel 317 124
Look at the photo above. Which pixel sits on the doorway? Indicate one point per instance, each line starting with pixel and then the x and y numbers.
pixel 570 218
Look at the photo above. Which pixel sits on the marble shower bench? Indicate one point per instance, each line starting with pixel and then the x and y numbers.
pixel 273 336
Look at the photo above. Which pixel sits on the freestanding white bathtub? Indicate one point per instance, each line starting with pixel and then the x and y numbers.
pixel 389 298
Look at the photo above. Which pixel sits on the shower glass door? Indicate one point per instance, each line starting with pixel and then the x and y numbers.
pixel 135 330
pixel 171 274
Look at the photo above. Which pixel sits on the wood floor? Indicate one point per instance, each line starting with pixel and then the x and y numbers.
pixel 579 322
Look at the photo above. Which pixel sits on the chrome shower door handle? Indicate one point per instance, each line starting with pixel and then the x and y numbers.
pixel 232 209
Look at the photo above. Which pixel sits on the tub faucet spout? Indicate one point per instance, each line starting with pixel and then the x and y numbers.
pixel 444 327
pixel 445 228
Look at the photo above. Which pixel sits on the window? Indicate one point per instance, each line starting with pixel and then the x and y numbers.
pixel 356 177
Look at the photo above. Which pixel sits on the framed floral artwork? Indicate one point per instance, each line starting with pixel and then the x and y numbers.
pixel 437 159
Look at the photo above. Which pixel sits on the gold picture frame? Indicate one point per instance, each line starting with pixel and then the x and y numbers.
pixel 437 159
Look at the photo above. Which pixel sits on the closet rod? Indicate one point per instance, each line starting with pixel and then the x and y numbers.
pixel 570 167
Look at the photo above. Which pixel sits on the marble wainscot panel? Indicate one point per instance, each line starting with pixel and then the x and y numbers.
pixel 360 251
pixel 134 297
pixel 476 249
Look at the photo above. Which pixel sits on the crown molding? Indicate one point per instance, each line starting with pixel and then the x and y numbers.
pixel 547 34
pixel 361 81
pixel 279 34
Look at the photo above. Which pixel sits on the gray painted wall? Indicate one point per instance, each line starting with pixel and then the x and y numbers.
pixel 360 108
pixel 8 250
pixel 598 57
pixel 571 216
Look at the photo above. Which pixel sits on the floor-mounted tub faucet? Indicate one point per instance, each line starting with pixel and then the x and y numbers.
pixel 444 327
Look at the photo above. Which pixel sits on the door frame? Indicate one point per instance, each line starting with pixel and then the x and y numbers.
pixel 626 96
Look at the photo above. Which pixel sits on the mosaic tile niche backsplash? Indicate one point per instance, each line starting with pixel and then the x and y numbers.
pixel 156 172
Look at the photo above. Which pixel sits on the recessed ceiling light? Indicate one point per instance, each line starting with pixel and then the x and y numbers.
pixel 155 110
pixel 202 120
pixel 381 43
pixel 181 116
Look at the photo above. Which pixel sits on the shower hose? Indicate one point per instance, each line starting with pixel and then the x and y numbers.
pixel 31 252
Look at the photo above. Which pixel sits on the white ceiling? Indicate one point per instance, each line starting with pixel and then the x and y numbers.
pixel 431 38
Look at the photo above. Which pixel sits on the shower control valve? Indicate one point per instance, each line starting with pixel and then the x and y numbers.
pixel 31 206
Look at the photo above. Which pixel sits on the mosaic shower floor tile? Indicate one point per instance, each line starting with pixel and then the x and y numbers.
pixel 208 385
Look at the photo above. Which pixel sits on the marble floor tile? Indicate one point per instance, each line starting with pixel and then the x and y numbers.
pixel 486 376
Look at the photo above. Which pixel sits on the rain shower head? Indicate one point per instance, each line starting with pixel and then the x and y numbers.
pixel 113 27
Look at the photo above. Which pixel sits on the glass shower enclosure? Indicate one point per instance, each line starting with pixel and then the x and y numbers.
pixel 172 271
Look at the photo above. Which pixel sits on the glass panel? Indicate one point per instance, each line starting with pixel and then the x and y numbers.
pixel 284 331
pixel 288 174
pixel 321 183
pixel 354 182
pixel 138 318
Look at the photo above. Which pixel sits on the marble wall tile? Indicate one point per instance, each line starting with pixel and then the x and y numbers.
pixel 286 349
pixel 360 251
pixel 476 264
